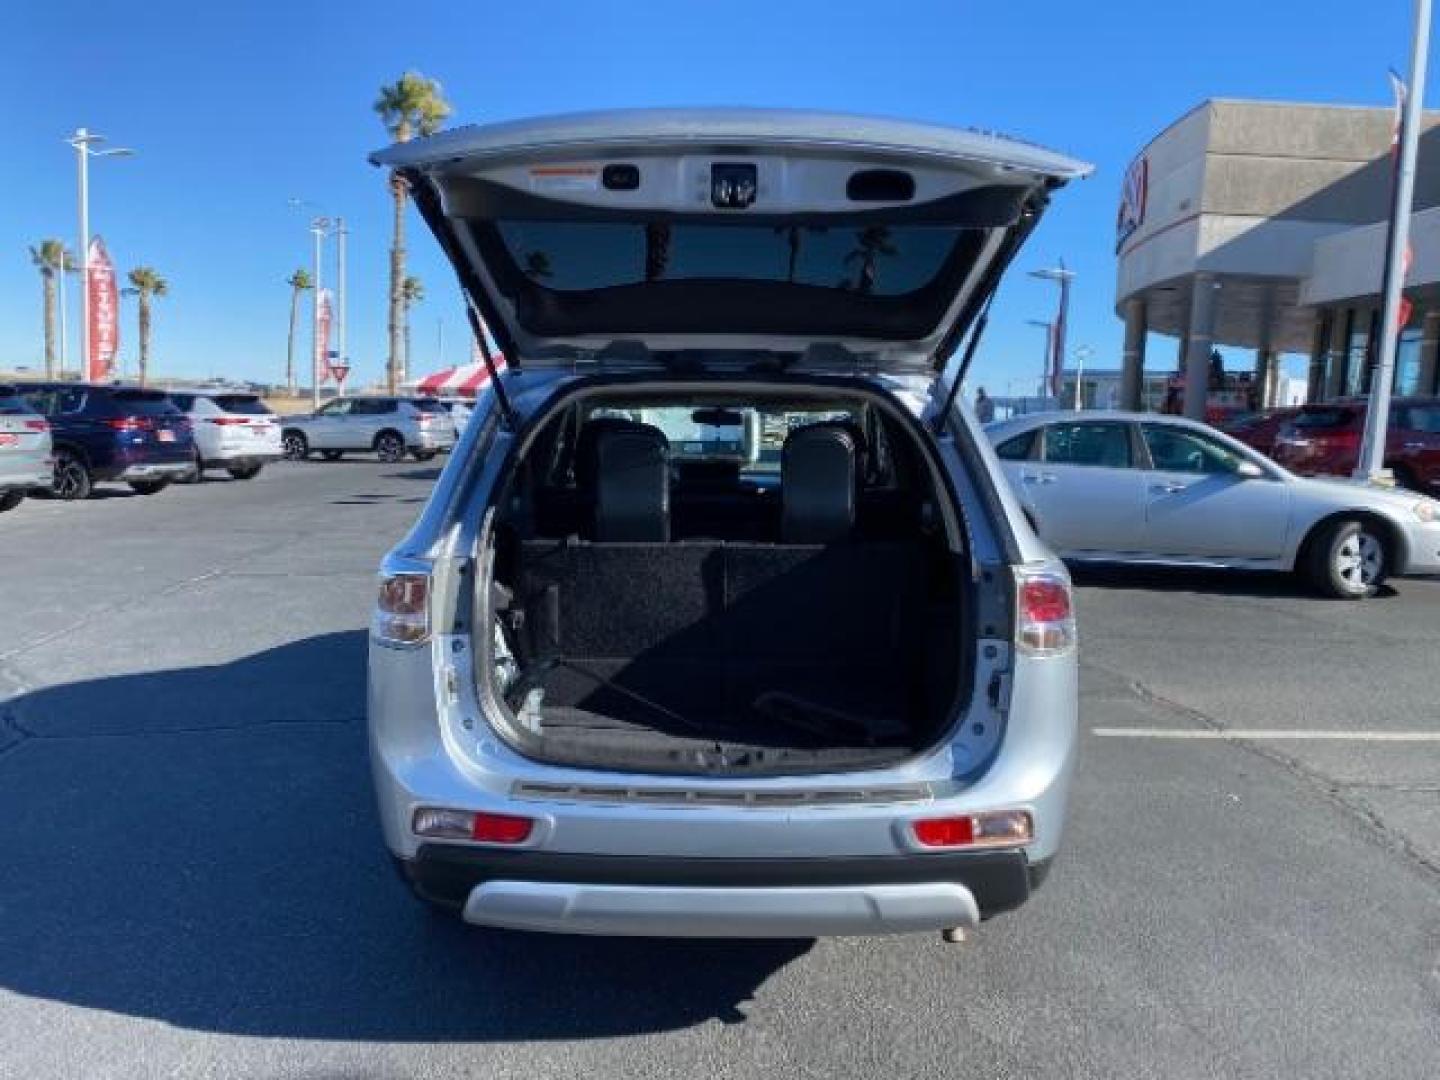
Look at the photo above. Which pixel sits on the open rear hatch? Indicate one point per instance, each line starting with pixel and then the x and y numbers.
pixel 668 616
pixel 715 232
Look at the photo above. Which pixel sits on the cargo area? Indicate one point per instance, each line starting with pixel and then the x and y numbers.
pixel 696 586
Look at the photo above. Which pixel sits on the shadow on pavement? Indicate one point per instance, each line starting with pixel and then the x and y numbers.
pixel 213 861
pixel 1216 582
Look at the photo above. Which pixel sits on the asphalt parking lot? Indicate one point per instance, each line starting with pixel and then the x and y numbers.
pixel 195 886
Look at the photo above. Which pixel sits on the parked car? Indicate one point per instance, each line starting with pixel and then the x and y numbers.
pixel 388 426
pixel 234 430
pixel 1324 440
pixel 121 433
pixel 1257 430
pixel 459 410
pixel 624 687
pixel 24 448
pixel 1144 488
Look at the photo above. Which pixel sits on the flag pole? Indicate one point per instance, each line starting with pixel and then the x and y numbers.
pixel 1397 243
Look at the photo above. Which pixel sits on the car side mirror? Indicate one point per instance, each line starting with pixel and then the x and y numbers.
pixel 1248 470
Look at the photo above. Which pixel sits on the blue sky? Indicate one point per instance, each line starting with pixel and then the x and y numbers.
pixel 236 108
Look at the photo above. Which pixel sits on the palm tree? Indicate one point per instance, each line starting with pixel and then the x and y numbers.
pixel 299 282
pixel 874 241
pixel 412 291
pixel 52 259
pixel 146 284
pixel 412 105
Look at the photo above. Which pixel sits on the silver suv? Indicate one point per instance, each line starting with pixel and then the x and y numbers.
pixel 24 449
pixel 387 426
pixel 798 666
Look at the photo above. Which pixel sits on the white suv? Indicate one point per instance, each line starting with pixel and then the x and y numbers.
pixel 388 426
pixel 234 431
pixel 721 619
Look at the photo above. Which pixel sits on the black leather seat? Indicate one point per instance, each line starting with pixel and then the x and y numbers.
pixel 632 482
pixel 819 483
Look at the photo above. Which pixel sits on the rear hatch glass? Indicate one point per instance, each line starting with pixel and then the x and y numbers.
pixel 243 404
pixel 428 405
pixel 144 403
pixel 11 403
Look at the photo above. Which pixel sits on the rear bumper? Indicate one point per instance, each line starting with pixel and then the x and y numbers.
pixel 155 471
pixel 699 897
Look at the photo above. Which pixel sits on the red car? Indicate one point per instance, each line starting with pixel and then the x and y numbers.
pixel 1324 440
pixel 1258 429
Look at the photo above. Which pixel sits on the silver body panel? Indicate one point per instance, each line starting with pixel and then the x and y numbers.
pixel 24 452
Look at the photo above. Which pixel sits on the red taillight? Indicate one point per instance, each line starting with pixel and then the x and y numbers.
pixel 131 423
pixel 501 828
pixel 446 824
pixel 1045 616
pixel 402 612
pixel 226 421
pixel 37 425
pixel 1339 440
pixel 945 832
pixel 989 828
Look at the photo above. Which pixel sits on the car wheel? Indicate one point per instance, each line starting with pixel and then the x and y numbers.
pixel 195 475
pixel 72 479
pixel 1348 559
pixel 389 447
pixel 295 446
pixel 245 472
pixel 424 455
pixel 10 500
pixel 148 487
pixel 332 455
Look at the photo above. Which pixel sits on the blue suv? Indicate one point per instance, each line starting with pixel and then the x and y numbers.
pixel 121 433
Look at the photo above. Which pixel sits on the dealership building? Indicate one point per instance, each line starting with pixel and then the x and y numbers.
pixel 1262 226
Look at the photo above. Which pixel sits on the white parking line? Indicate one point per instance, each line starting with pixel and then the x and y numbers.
pixel 1247 735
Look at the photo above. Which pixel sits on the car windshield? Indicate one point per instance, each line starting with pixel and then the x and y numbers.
pixel 1323 418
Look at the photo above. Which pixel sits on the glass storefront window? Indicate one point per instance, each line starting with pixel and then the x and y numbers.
pixel 1407 363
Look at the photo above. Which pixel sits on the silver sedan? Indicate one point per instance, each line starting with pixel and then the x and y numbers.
pixel 24 449
pixel 1160 490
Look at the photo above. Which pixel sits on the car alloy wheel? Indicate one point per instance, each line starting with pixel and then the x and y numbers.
pixel 294 446
pixel 72 479
pixel 390 448
pixel 1360 561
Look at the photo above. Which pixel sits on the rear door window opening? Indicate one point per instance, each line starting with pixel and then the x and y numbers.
pixel 792 600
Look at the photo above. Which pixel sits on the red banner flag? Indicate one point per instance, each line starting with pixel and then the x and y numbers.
pixel 322 343
pixel 104 313
pixel 1401 92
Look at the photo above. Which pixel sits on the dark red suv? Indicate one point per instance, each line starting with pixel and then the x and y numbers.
pixel 1325 440
pixel 1259 429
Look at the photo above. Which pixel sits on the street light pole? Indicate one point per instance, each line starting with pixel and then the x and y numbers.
pixel 1049 328
pixel 317 227
pixel 340 233
pixel 1083 353
pixel 81 141
pixel 1062 277
pixel 1377 416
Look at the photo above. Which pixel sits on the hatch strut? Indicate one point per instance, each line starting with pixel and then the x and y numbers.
pixel 507 414
pixel 939 422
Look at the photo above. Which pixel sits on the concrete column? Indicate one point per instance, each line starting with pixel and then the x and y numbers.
pixel 1198 343
pixel 1339 348
pixel 1267 372
pixel 1430 353
pixel 1320 343
pixel 1132 370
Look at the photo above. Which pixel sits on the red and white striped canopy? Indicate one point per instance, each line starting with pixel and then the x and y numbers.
pixel 467 380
